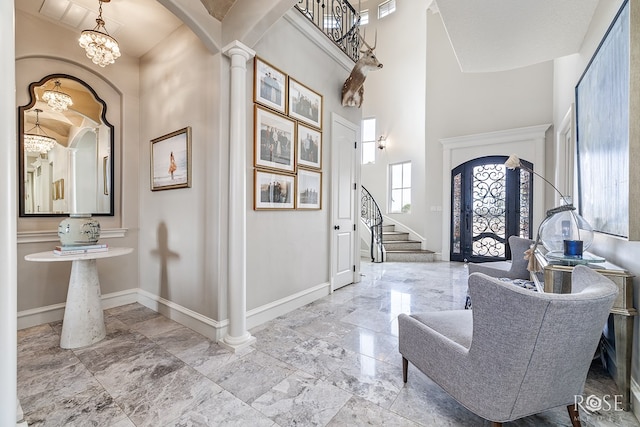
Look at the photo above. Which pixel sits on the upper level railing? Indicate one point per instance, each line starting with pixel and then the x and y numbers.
pixel 371 215
pixel 338 20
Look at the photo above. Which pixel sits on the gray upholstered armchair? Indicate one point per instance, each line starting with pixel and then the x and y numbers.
pixel 514 269
pixel 518 352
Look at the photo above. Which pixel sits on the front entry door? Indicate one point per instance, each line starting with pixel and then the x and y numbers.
pixel 344 190
pixel 489 203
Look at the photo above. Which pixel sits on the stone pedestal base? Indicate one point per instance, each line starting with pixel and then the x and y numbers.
pixel 83 322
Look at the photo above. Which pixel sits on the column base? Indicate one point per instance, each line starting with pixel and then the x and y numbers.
pixel 237 343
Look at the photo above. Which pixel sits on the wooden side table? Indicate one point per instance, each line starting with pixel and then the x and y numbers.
pixel 83 322
pixel 557 278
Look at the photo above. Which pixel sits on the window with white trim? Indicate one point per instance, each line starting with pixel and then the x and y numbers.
pixel 400 187
pixel 369 140
pixel 386 8
pixel 364 17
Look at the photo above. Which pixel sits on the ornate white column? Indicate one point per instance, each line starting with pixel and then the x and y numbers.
pixel 8 202
pixel 73 200
pixel 237 335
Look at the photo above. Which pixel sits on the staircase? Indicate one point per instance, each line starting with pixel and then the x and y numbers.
pixel 398 247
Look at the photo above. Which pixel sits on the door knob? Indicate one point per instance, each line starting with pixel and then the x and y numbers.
pixel 336 227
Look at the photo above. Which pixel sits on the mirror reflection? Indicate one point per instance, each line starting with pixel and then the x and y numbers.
pixel 65 149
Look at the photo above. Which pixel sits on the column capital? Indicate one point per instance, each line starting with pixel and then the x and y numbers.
pixel 238 48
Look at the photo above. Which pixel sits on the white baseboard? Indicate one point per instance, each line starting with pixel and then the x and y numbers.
pixel 635 398
pixel 206 326
pixel 202 324
pixel 55 312
pixel 260 315
pixel 216 330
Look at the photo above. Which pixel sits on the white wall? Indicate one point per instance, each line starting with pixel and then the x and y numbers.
pixel 41 49
pixel 568 71
pixel 395 96
pixel 288 251
pixel 180 235
pixel 460 104
pixel 421 96
pixel 183 236
pixel 176 91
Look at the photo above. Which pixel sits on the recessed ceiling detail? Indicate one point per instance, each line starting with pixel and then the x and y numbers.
pixel 218 8
pixel 76 15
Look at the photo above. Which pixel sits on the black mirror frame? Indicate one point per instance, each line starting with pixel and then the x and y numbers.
pixel 20 139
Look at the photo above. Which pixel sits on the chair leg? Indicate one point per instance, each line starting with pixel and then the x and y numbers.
pixel 495 424
pixel 405 368
pixel 574 415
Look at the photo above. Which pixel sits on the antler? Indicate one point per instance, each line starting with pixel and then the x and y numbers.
pixel 365 42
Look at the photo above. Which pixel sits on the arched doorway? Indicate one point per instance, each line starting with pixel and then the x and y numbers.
pixel 489 203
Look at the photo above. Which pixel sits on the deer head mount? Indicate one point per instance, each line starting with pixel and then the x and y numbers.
pixel 353 87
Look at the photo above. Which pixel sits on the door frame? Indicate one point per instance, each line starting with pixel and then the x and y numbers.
pixel 512 215
pixel 526 143
pixel 337 119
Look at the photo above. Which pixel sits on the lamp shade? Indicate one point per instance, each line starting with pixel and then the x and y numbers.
pixel 565 225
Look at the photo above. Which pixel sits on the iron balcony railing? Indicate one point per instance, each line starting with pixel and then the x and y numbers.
pixel 370 214
pixel 338 20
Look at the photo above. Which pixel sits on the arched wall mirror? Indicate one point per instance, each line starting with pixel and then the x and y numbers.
pixel 65 150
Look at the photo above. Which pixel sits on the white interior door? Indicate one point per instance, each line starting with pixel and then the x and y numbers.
pixel 344 147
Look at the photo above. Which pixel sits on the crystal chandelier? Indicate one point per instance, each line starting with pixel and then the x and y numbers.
pixel 101 48
pixel 36 140
pixel 56 99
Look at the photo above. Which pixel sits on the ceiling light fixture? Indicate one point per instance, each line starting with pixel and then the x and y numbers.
pixel 101 48
pixel 36 140
pixel 56 99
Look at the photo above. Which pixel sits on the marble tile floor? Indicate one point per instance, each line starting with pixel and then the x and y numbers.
pixel 331 363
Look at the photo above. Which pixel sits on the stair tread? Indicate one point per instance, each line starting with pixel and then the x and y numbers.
pixel 426 251
pixel 401 241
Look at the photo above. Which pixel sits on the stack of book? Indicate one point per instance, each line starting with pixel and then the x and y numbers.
pixel 82 249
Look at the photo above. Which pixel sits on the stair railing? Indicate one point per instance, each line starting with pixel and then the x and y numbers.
pixel 370 214
pixel 338 20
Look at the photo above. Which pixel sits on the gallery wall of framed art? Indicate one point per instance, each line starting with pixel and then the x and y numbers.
pixel 287 141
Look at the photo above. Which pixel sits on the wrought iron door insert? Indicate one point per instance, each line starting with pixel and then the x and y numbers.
pixel 489 203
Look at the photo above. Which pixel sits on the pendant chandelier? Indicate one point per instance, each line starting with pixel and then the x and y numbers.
pixel 36 140
pixel 101 48
pixel 56 99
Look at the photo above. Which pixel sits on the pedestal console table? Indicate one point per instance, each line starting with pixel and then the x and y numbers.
pixel 83 322
pixel 556 277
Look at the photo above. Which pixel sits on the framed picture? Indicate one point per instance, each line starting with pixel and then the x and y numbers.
pixel 171 160
pixel 602 131
pixel 273 190
pixel 309 146
pixel 273 141
pixel 305 104
pixel 309 189
pixel 269 86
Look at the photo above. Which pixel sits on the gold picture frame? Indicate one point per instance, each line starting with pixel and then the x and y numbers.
pixel 309 189
pixel 274 141
pixel 305 104
pixel 269 86
pixel 171 160
pixel 273 190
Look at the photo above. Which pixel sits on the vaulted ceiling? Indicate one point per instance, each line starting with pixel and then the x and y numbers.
pixel 487 35
pixel 495 35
